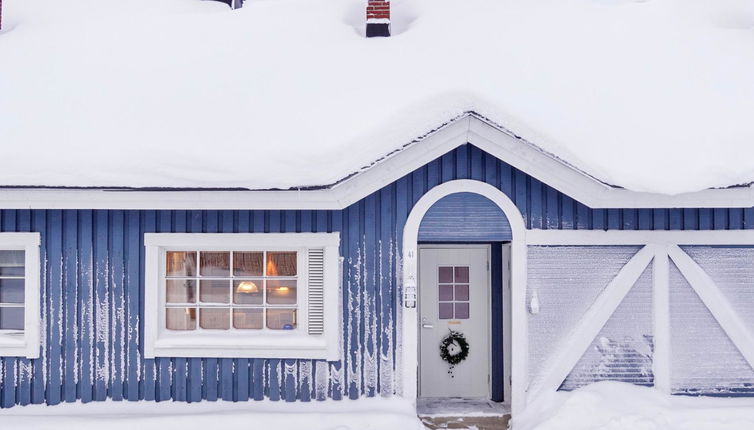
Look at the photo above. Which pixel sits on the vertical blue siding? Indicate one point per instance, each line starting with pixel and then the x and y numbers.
pixel 93 273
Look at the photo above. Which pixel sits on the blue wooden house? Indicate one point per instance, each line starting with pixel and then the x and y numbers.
pixel 555 279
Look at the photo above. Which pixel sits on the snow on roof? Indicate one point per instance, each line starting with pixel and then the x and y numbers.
pixel 651 95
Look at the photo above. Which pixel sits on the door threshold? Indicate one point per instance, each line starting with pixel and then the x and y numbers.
pixel 460 407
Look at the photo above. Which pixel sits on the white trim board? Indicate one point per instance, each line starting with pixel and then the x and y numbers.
pixel 470 128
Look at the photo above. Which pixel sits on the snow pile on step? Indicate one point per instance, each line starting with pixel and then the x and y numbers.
pixel 619 406
pixel 364 414
pixel 651 95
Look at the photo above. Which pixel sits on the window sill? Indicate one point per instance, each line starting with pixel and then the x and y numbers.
pixel 259 346
pixel 15 344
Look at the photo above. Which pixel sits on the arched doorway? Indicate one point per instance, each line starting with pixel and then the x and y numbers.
pixel 456 220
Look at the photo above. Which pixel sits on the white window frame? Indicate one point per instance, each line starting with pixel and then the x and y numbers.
pixel 297 343
pixel 26 342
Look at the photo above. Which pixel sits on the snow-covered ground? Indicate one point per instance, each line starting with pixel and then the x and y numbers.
pixel 652 95
pixel 619 406
pixel 364 414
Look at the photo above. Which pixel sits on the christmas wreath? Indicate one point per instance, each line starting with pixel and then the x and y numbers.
pixel 454 349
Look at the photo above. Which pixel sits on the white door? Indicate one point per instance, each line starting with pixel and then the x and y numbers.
pixel 454 295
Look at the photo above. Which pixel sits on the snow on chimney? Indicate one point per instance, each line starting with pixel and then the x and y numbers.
pixel 378 18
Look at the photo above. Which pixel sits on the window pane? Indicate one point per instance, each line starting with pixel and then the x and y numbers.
pixel 11 263
pixel 247 318
pixel 214 319
pixel 214 263
pixel 446 293
pixel 11 290
pixel 462 311
pixel 12 318
pixel 281 264
pixel 180 318
pixel 281 292
pixel 214 291
pixel 281 319
pixel 462 275
pixel 180 291
pixel 446 311
pixel 445 275
pixel 248 263
pixel 462 292
pixel 248 292
pixel 180 263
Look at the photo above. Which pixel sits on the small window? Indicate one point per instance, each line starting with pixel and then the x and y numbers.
pixel 19 294
pixel 242 295
pixel 453 292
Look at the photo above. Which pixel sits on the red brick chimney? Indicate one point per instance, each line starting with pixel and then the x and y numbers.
pixel 378 18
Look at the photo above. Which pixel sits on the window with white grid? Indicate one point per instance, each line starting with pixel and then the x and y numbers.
pixel 19 295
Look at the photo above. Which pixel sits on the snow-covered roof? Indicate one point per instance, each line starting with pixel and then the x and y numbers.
pixel 650 95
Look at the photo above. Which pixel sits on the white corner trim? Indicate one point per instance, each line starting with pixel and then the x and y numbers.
pixel 25 343
pixel 572 346
pixel 409 316
pixel 468 129
pixel 159 342
pixel 661 320
pixel 716 302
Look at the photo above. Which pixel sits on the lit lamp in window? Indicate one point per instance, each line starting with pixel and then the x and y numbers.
pixel 247 287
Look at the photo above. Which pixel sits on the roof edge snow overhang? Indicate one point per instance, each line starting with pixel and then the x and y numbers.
pixel 468 128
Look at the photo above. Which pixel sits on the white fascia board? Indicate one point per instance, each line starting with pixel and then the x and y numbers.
pixel 519 153
pixel 639 237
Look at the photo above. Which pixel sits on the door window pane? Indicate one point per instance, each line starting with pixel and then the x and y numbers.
pixel 281 292
pixel 462 292
pixel 281 264
pixel 214 263
pixel 462 311
pixel 445 275
pixel 248 263
pixel 180 291
pixel 248 318
pixel 446 311
pixel 180 318
pixel 446 293
pixel 180 263
pixel 12 263
pixel 281 319
pixel 214 291
pixel 11 290
pixel 248 292
pixel 462 275
pixel 214 318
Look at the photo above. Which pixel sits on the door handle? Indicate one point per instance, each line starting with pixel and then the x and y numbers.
pixel 427 326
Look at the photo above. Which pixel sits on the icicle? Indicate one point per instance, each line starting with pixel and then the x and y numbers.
pixel 534 303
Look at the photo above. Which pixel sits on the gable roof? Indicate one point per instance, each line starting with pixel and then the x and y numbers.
pixel 470 128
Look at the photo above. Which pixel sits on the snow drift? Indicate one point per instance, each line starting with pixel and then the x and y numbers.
pixel 650 95
pixel 620 406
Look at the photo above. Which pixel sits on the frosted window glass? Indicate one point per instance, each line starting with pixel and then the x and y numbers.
pixel 180 318
pixel 214 318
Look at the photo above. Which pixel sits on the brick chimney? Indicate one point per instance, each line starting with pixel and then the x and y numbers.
pixel 378 18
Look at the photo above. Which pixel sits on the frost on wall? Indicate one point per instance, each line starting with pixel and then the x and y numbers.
pixel 622 351
pixel 566 279
pixel 703 358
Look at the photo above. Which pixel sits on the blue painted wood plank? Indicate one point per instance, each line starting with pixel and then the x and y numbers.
pixel 354 364
pixel 720 217
pixel 258 378
pixel 103 307
pixel 462 162
pixel 336 224
pixel 448 166
pixel 132 290
pixel 675 219
pixel 506 180
pixel 434 174
pixel 630 219
pixel 645 219
pixel 385 287
pixel 70 293
pixel 660 219
pixel 599 219
pixel 117 280
pixel 290 375
pixel 55 314
pixel 583 217
pixel 164 365
pixel 706 219
pixel 536 205
pixel 552 205
pixel 274 380
pixel 749 218
pixel 735 219
pixel 568 213
pixel 86 305
pixel 614 219
pixel 476 163
pixel 305 376
pixel 690 219
pixel 368 292
pixel 522 200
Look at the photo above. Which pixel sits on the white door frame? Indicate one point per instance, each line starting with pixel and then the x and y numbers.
pixel 518 340
pixel 488 248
